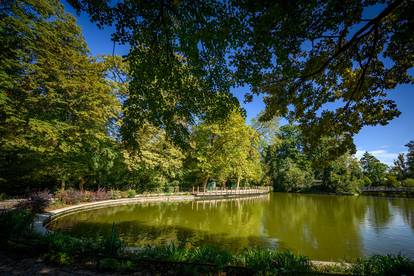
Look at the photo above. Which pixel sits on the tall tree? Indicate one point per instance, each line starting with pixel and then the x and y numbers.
pixel 226 150
pixel 157 164
pixel 55 101
pixel 302 55
pixel 400 167
pixel 373 168
pixel 289 168
pixel 410 159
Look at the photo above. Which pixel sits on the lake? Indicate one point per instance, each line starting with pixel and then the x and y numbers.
pixel 323 227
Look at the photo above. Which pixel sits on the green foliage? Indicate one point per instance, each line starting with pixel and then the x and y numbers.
pixel 272 261
pixel 400 167
pixel 343 175
pixel 55 101
pixel 383 265
pixel 15 223
pixel 303 56
pixel 112 245
pixel 409 182
pixel 3 196
pixel 156 164
pixel 131 193
pixel 373 169
pixel 210 255
pixel 225 151
pixel 410 160
pixel 391 180
pixel 111 264
pixel 62 244
pixel 289 167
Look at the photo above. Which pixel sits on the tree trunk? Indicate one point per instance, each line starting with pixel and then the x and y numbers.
pixel 205 183
pixel 62 185
pixel 238 182
pixel 81 183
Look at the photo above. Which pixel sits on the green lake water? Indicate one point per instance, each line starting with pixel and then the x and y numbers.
pixel 323 227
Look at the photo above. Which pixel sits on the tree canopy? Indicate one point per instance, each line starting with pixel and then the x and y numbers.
pixel 55 102
pixel 325 64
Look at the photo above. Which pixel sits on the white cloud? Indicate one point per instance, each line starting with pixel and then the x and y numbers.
pixel 382 154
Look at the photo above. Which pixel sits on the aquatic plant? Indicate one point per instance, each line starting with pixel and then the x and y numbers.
pixel 274 260
pixel 383 265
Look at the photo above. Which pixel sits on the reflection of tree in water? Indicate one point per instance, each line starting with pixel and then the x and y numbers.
pixel 379 212
pixel 405 207
pixel 323 227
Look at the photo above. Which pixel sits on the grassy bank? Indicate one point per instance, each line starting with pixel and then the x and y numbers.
pixel 107 253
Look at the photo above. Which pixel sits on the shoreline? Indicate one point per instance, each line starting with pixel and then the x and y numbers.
pixel 42 220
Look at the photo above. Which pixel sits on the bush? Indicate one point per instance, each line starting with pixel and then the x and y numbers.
pixel 112 245
pixel 392 181
pixel 210 255
pixel 131 193
pixel 100 194
pixel 61 245
pixel 271 260
pixel 115 194
pixel 297 179
pixel 36 202
pixel 15 223
pixel 409 182
pixel 112 264
pixel 3 196
pixel 383 265
pixel 70 196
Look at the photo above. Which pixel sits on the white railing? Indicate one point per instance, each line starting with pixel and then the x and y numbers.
pixel 200 191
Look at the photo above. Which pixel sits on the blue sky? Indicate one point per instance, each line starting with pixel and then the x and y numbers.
pixel 385 142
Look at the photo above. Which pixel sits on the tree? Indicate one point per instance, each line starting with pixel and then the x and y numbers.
pixel 226 150
pixel 157 164
pixel 55 101
pixel 303 56
pixel 267 130
pixel 400 167
pixel 289 168
pixel 343 175
pixel 410 159
pixel 373 169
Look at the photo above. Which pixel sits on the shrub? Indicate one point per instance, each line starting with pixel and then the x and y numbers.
pixel 62 243
pixel 392 181
pixel 3 196
pixel 36 202
pixel 163 253
pixel 409 182
pixel 383 265
pixel 100 194
pixel 131 193
pixel 15 223
pixel 115 194
pixel 271 260
pixel 112 264
pixel 69 196
pixel 210 255
pixel 112 245
pixel 60 258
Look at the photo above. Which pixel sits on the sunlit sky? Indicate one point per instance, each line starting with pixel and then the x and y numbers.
pixel 385 142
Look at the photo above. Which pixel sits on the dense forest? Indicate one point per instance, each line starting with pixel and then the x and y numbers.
pixel 72 120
